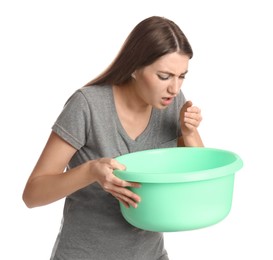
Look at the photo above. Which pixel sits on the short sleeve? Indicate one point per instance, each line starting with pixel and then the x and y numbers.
pixel 73 123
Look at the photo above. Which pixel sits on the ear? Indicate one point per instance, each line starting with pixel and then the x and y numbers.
pixel 134 73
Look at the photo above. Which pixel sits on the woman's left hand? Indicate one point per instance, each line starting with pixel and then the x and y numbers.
pixel 190 118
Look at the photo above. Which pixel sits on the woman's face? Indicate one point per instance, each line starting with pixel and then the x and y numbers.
pixel 157 84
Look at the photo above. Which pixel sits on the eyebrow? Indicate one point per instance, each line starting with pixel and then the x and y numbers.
pixel 166 72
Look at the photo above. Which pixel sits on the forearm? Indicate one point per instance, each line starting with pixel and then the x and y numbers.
pixel 45 189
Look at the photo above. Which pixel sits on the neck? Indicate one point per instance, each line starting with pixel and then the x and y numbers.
pixel 126 97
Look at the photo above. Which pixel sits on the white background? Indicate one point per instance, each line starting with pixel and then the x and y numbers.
pixel 48 49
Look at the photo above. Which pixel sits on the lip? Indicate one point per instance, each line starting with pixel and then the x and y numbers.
pixel 167 100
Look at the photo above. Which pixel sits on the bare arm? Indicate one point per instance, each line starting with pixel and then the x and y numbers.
pixel 190 118
pixel 48 182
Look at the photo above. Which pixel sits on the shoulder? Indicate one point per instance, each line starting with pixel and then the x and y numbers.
pixel 95 90
pixel 90 95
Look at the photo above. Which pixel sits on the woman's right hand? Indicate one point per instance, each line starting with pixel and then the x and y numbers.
pixel 103 170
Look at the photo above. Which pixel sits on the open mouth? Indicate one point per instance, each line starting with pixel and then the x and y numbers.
pixel 166 98
pixel 167 101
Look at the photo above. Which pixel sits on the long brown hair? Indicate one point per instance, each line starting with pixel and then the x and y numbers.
pixel 150 39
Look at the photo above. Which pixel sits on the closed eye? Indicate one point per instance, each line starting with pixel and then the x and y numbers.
pixel 163 77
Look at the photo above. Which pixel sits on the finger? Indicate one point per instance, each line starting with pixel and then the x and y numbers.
pixel 115 165
pixel 189 122
pixel 190 126
pixel 125 192
pixel 124 199
pixel 123 202
pixel 194 109
pixel 186 106
pixel 194 116
pixel 122 183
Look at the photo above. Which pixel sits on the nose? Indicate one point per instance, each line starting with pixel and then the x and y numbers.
pixel 174 86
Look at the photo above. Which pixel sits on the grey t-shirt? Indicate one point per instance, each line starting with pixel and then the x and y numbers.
pixel 92 225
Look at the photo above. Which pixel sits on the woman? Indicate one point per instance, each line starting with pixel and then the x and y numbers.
pixel 135 104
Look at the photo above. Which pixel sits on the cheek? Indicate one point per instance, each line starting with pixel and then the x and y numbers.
pixel 150 89
pixel 150 86
pixel 151 83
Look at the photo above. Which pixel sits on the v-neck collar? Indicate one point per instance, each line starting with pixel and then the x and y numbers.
pixel 121 129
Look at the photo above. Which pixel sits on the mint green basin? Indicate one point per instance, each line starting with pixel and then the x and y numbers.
pixel 181 188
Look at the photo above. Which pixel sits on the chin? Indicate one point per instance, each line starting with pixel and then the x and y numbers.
pixel 160 106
